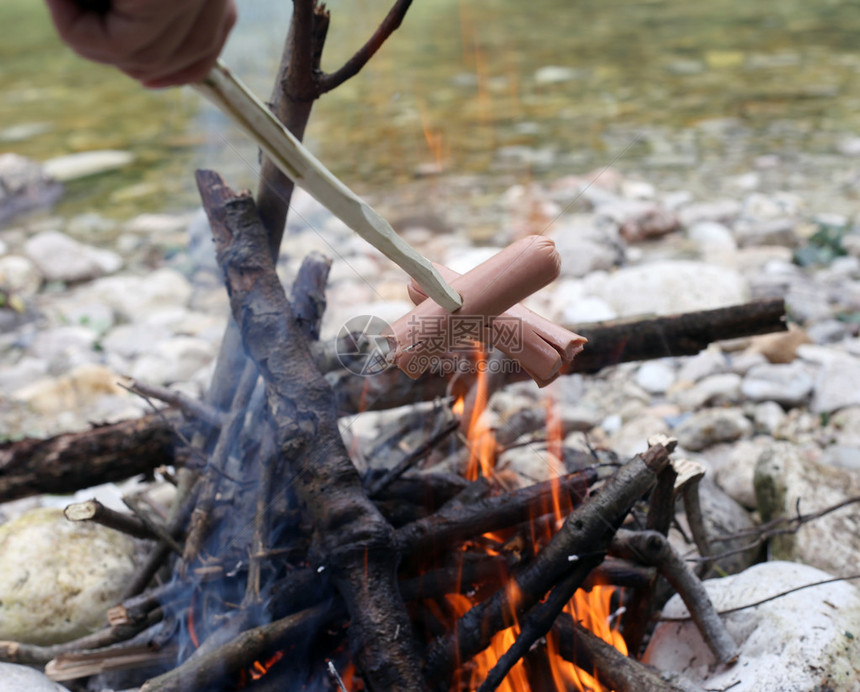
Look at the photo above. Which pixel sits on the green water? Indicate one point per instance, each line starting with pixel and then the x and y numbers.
pixel 644 83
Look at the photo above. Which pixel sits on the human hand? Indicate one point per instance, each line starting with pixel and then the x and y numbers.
pixel 160 43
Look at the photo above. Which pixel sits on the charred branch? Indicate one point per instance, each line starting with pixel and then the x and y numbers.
pixel 71 461
pixel 351 539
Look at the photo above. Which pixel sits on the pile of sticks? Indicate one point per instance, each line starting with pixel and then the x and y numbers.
pixel 279 552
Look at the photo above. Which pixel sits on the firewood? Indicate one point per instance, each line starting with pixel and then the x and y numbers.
pixel 579 545
pixel 96 512
pixel 351 539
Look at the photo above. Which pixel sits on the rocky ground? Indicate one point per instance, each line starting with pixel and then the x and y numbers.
pixel 775 419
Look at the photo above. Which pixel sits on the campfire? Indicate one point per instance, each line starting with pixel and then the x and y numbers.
pixel 282 567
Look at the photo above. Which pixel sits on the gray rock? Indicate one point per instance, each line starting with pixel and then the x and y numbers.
pixel 25 371
pixel 655 376
pixel 64 347
pixel 530 463
pixel 735 473
pixel 19 276
pixel 789 384
pixel 773 654
pixel 24 186
pixel 721 389
pixel 86 163
pixel 710 426
pixel 723 211
pixel 711 361
pixel 786 476
pixel 769 232
pixel 842 456
pixel 830 331
pixel 59 577
pixel 15 678
pixel 61 258
pixel 669 287
pixel 585 247
pixel 837 385
pixel 723 518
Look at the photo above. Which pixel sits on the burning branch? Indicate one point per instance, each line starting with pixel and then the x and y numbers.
pixel 582 542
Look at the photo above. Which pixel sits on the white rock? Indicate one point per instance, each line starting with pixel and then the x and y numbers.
pixel 768 417
pixel 158 224
pixel 462 261
pixel 174 360
pixel 668 287
pixel 655 376
pixel 638 189
pixel 837 385
pixel 61 258
pixel 136 297
pixel 19 275
pixel 580 256
pixel 711 238
pixel 86 163
pixel 789 384
pixel 710 426
pixel 842 456
pixel 14 678
pixel 133 340
pixel 587 310
pixel 59 577
pixel 631 437
pixel 773 654
pixel 555 74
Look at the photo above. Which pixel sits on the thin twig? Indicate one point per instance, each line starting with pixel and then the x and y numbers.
pixel 653 548
pixel 755 604
pixel 353 66
pixel 189 406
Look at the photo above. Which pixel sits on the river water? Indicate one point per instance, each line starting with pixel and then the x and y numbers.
pixel 493 93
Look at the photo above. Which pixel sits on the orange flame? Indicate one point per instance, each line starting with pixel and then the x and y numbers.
pixel 258 669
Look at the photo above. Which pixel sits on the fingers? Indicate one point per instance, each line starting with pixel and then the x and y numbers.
pixel 158 42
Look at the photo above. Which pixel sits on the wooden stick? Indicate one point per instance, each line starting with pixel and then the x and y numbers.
pixel 96 512
pixel 653 548
pixel 236 101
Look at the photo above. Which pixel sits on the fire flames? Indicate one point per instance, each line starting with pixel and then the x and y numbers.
pixel 593 608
